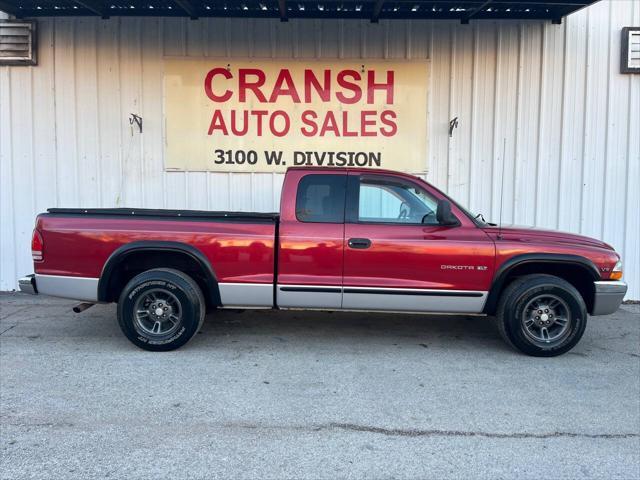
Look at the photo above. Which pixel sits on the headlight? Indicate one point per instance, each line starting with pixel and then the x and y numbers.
pixel 616 273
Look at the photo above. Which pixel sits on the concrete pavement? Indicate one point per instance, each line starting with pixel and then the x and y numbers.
pixel 264 394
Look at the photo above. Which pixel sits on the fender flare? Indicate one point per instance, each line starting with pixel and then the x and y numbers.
pixel 121 253
pixel 507 267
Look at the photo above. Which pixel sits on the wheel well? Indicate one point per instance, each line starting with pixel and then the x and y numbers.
pixel 130 264
pixel 578 275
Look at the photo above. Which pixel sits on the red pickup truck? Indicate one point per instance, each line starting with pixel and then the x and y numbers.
pixel 345 239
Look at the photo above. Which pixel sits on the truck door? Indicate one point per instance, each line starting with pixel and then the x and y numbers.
pixel 399 258
pixel 311 237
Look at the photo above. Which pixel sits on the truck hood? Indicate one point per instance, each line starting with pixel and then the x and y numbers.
pixel 533 234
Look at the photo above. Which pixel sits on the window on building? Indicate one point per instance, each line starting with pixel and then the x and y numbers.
pixel 17 42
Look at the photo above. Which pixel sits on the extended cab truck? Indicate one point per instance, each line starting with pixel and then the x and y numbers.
pixel 345 239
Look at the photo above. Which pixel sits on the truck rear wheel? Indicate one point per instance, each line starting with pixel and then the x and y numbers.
pixel 161 309
pixel 541 315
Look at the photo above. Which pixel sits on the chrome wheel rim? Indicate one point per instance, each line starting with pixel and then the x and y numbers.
pixel 545 319
pixel 158 313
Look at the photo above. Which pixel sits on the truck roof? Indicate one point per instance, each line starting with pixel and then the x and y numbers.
pixel 350 169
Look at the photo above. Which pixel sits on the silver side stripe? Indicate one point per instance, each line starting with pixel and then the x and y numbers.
pixel 381 298
pixel 414 291
pixel 256 295
pixel 260 295
pixel 414 300
pixel 310 296
pixel 77 288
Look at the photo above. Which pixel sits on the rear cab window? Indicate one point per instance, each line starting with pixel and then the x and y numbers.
pixel 320 198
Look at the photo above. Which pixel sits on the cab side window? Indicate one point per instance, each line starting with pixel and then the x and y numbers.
pixel 383 200
pixel 320 198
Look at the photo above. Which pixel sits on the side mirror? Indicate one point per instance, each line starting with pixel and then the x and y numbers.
pixel 444 215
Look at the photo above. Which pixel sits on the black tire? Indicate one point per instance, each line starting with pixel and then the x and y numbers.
pixel 517 309
pixel 179 299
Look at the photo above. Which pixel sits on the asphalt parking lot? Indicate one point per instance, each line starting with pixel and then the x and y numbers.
pixel 264 394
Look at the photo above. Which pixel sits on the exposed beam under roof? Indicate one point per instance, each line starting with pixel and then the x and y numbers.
pixel 96 7
pixel 282 8
pixel 188 7
pixel 476 10
pixel 377 8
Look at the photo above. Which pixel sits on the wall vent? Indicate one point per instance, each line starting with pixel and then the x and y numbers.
pixel 17 42
pixel 630 54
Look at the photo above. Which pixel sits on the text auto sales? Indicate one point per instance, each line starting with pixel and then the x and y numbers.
pixel 346 87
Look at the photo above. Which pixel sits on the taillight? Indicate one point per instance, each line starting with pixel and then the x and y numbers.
pixel 37 246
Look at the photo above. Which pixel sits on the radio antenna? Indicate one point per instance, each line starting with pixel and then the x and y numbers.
pixel 504 152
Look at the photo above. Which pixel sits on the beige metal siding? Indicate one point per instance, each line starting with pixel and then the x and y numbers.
pixel 570 120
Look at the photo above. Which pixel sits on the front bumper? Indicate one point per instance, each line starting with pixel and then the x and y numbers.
pixel 608 296
pixel 28 284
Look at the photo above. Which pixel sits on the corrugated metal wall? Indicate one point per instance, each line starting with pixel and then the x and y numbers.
pixel 570 120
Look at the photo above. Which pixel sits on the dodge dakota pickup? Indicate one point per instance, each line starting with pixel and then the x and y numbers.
pixel 345 239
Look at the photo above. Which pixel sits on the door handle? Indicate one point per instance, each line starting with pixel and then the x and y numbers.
pixel 359 243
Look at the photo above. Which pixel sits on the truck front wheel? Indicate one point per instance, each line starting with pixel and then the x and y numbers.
pixel 541 315
pixel 161 309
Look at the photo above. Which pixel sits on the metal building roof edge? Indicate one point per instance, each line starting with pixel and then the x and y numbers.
pixel 373 10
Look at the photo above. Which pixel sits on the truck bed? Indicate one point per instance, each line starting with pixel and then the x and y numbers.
pixel 240 246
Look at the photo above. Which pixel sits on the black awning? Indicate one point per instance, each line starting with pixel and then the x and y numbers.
pixel 373 10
